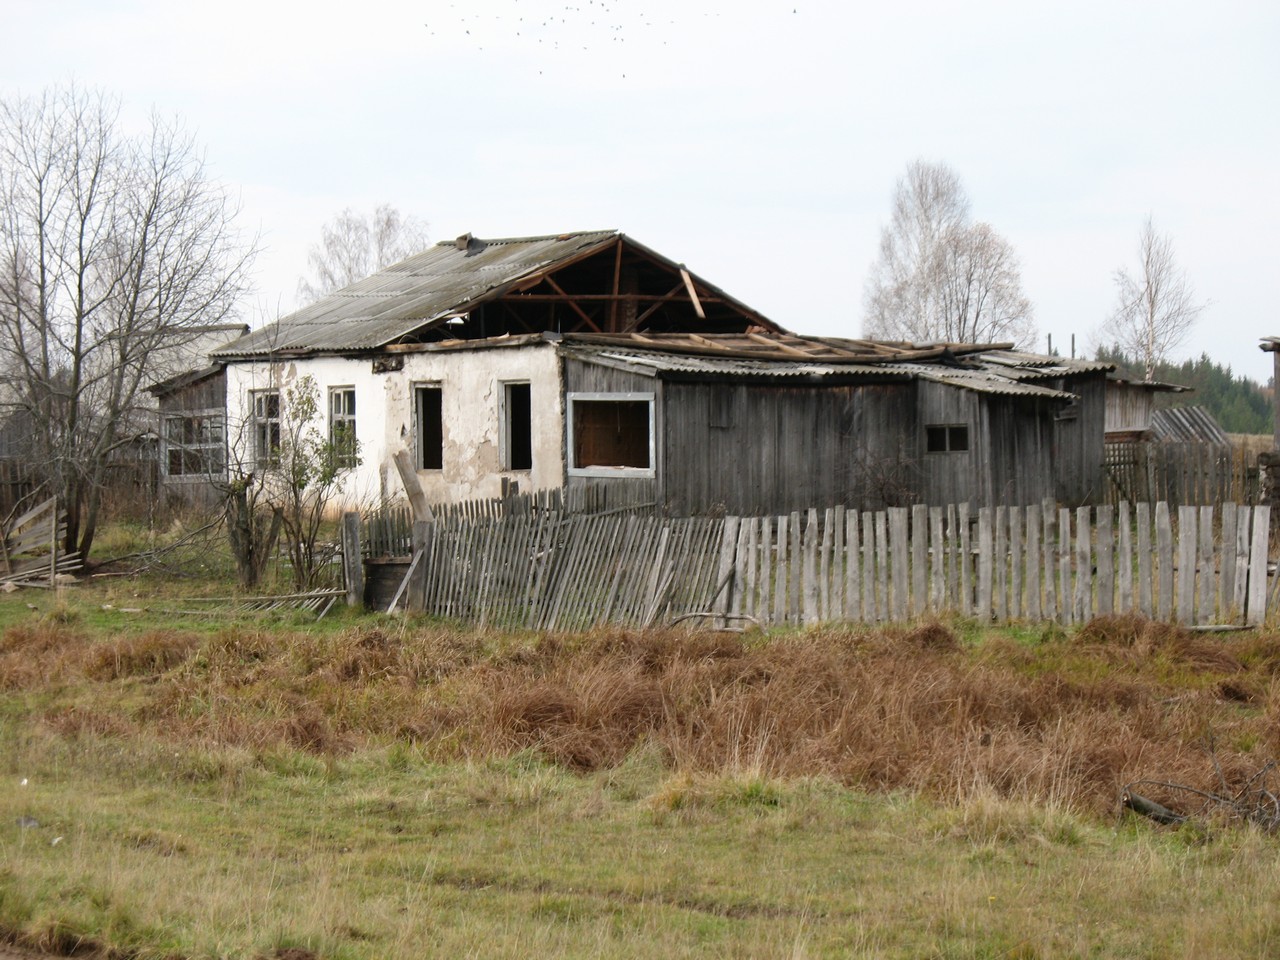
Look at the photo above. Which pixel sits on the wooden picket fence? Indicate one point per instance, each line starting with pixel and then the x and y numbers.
pixel 551 570
pixel 1180 473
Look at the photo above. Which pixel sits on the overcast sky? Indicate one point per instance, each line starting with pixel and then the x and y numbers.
pixel 756 141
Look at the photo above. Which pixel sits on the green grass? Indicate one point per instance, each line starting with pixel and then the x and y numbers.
pixel 177 820
pixel 383 855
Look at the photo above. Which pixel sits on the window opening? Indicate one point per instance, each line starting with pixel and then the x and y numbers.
pixel 946 438
pixel 518 427
pixel 611 434
pixel 429 413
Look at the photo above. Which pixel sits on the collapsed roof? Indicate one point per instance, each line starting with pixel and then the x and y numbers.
pixel 470 289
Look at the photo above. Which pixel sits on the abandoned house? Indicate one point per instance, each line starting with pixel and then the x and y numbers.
pixel 589 359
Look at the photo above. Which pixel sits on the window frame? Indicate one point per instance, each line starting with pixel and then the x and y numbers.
pixel 949 431
pixel 506 460
pixel 345 449
pixel 601 472
pixel 261 420
pixel 200 448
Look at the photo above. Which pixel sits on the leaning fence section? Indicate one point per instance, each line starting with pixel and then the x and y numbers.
pixel 554 570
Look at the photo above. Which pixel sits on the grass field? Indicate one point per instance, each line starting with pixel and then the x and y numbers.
pixel 369 787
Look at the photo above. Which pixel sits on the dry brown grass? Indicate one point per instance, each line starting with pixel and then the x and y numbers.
pixel 1067 720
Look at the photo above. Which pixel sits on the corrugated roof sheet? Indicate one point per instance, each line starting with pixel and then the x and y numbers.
pixel 430 286
pixel 1187 424
pixel 978 378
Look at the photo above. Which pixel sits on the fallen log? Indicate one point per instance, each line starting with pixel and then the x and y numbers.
pixel 1149 808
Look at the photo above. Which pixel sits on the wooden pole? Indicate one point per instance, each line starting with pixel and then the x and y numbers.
pixel 352 562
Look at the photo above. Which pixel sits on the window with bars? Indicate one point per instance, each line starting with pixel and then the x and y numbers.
pixel 342 425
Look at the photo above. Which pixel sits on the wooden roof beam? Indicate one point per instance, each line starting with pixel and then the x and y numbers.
pixel 577 309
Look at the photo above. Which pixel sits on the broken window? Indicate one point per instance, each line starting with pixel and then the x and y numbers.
pixel 266 426
pixel 429 424
pixel 195 444
pixel 342 425
pixel 946 438
pixel 517 422
pixel 611 434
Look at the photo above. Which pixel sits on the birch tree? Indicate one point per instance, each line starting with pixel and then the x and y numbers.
pixel 352 246
pixel 114 249
pixel 940 276
pixel 1156 306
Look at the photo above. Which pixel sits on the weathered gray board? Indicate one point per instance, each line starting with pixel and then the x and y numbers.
pixel 30 547
pixel 555 571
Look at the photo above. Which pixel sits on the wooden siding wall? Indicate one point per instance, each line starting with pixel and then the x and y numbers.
pixel 207 394
pixel 1077 454
pixel 781 447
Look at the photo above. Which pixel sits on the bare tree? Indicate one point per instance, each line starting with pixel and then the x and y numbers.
pixel 113 251
pixel 1156 308
pixel 352 246
pixel 941 277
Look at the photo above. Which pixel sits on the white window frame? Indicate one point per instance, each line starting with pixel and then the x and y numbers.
pixel 346 459
pixel 259 419
pixel 217 447
pixel 576 471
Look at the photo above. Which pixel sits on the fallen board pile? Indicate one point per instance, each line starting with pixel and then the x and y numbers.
pixel 30 548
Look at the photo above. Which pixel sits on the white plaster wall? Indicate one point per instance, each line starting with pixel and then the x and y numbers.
pixel 471 383
pixel 361 486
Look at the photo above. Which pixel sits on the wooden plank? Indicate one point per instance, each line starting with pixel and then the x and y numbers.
pixel 1084 567
pixel 883 609
pixel 1000 557
pixel 1186 564
pixel 1205 612
pixel 1015 563
pixel 765 609
pixel 1034 564
pixel 1124 559
pixel 352 562
pixel 1244 516
pixel 1256 611
pixel 809 593
pixel 1227 564
pixel 781 569
pixel 900 556
pixel 869 610
pixel 937 545
pixel 839 599
pixel 982 603
pixel 1105 587
pixel 952 601
pixel 1164 558
pixel 853 580
pixel 795 582
pixel 412 488
pixel 1049 511
pixel 1146 568
pixel 824 565
pixel 1066 598
pixel 725 566
pixel 919 558
pixel 966 581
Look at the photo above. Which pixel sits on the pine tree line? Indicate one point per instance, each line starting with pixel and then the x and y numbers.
pixel 1240 405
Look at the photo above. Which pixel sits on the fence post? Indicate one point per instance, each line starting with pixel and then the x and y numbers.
pixel 417 596
pixel 352 562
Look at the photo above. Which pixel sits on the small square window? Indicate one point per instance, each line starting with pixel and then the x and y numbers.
pixel 946 438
